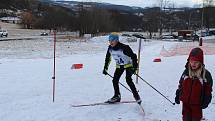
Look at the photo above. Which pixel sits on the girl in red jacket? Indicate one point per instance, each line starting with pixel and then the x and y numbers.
pixel 195 87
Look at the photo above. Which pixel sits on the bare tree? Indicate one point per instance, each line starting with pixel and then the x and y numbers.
pixel 163 5
pixel 208 13
pixel 27 19
pixel 208 3
pixel 151 20
pixel 94 20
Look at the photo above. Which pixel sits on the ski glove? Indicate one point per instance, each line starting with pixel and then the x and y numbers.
pixel 206 101
pixel 177 101
pixel 133 70
pixel 204 106
pixel 105 72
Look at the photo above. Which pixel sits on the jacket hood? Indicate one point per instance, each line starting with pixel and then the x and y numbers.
pixel 196 54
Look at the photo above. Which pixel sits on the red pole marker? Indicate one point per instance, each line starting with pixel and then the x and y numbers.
pixel 77 66
pixel 200 41
pixel 157 60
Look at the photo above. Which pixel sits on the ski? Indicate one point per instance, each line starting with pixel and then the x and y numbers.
pixel 142 109
pixel 103 103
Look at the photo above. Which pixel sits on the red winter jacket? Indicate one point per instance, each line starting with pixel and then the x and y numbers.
pixel 194 90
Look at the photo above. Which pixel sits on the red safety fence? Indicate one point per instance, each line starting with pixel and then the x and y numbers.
pixel 185 48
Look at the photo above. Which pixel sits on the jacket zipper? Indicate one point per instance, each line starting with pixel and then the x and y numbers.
pixel 191 87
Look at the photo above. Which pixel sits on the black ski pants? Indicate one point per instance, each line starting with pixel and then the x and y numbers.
pixel 118 73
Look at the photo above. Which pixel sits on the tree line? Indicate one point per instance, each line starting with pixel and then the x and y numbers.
pixel 85 20
pixel 94 20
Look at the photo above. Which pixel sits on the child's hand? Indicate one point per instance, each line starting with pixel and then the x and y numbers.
pixel 177 101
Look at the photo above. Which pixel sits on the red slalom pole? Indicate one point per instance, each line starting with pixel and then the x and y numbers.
pixel 54 67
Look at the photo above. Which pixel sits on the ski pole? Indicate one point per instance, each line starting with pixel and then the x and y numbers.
pixel 155 89
pixel 120 83
pixel 138 60
pixel 54 67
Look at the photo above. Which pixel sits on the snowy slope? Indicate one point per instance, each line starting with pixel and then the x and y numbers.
pixel 26 84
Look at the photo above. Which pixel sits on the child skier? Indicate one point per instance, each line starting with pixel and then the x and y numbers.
pixel 125 60
pixel 195 87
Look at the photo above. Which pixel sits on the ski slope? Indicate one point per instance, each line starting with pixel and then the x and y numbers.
pixel 26 84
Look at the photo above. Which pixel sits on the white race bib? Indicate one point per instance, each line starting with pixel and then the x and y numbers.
pixel 120 57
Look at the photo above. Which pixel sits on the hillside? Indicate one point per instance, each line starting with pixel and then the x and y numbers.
pixel 74 5
pixel 26 84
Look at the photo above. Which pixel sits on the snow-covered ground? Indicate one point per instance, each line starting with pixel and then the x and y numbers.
pixel 210 39
pixel 26 84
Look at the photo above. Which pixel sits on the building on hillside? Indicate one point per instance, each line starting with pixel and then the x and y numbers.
pixel 14 20
pixel 186 34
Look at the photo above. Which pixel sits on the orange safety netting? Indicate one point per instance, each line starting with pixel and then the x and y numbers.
pixel 185 48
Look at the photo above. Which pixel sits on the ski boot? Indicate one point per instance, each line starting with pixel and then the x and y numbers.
pixel 138 100
pixel 114 99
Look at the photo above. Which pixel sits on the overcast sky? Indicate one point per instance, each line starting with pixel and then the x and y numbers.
pixel 147 3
